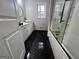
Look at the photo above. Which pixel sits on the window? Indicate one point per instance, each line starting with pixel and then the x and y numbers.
pixel 41 11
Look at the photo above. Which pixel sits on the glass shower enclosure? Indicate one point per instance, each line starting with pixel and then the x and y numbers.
pixel 60 16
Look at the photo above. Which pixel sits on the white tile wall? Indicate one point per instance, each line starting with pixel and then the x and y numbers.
pixel 56 48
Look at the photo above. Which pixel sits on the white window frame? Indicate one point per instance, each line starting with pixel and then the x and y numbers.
pixel 40 12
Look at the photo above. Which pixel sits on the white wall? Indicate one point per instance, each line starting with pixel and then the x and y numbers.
pixel 56 48
pixel 71 38
pixel 31 12
pixel 41 24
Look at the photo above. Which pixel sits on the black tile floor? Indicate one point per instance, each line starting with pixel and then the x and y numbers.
pixel 38 46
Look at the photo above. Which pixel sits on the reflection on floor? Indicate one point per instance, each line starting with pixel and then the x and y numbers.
pixel 38 46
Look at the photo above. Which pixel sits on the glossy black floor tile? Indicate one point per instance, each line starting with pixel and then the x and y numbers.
pixel 39 46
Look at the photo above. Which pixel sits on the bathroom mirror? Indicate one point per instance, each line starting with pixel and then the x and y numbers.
pixel 60 16
pixel 19 9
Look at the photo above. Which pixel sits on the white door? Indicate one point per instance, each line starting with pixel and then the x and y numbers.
pixel 15 45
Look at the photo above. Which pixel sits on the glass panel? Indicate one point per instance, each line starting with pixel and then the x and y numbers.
pixel 19 10
pixel 61 13
pixel 56 25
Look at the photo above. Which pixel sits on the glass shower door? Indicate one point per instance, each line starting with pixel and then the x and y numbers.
pixel 60 17
pixel 55 23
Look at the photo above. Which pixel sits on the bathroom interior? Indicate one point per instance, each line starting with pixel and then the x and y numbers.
pixel 39 29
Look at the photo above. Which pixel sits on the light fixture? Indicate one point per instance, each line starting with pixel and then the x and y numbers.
pixel 19 2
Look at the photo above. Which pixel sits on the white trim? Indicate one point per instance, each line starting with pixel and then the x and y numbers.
pixel 8 20
pixel 9 49
pixel 8 46
pixel 7 43
pixel 22 54
pixel 68 51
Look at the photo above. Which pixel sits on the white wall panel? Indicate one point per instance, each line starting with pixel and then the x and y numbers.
pixel 7 8
pixel 15 45
pixel 4 53
pixel 56 48
pixel 41 24
pixel 27 30
pixel 7 26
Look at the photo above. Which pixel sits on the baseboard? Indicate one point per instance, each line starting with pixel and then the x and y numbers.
pixel 40 30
